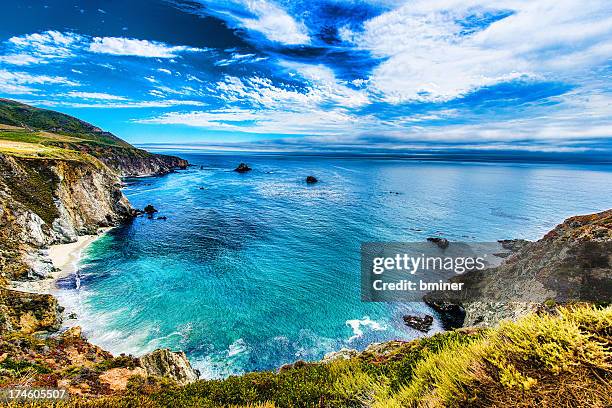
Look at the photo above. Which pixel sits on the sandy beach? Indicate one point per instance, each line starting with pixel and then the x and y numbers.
pixel 65 258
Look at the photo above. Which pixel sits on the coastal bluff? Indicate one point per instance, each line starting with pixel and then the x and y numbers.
pixel 571 263
pixel 61 179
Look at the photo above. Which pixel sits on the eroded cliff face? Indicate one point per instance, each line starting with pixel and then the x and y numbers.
pixel 45 202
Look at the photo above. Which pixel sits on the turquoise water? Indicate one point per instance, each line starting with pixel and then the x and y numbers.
pixel 251 271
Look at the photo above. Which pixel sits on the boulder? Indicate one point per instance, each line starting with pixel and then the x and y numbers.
pixel 169 364
pixel 242 168
pixel 149 209
pixel 163 217
pixel 440 242
pixel 135 212
pixel 422 324
pixel 311 179
pixel 451 314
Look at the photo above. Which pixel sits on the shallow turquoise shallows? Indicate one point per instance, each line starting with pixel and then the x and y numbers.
pixel 252 271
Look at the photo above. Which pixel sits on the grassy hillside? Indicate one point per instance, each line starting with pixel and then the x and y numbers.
pixel 26 131
pixel 30 132
pixel 38 121
pixel 560 359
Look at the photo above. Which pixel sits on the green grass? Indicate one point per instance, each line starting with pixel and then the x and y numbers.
pixel 21 368
pixel 28 117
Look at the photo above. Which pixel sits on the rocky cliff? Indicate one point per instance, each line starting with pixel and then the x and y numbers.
pixel 571 263
pixel 50 201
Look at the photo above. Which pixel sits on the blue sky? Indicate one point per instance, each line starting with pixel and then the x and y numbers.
pixel 321 75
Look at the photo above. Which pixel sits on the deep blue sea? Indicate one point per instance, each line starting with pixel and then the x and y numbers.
pixel 252 271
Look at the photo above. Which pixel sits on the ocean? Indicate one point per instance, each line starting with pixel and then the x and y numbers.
pixel 252 271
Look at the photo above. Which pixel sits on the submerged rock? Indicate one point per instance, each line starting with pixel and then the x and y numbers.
pixel 440 242
pixel 162 218
pixel 422 324
pixel 166 363
pixel 311 179
pixel 242 168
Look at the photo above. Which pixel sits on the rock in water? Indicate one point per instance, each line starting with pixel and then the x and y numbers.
pixel 149 209
pixel 452 315
pixel 242 168
pixel 170 364
pixel 441 242
pixel 311 179
pixel 422 324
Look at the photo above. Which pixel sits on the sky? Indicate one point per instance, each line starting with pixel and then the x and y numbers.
pixel 321 75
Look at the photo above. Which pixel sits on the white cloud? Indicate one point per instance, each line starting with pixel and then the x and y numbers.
pixel 577 115
pixel 140 48
pixel 19 59
pixel 316 122
pixel 326 86
pixel 39 48
pixel 94 95
pixel 268 19
pixel 430 58
pixel 167 103
pixel 236 58
pixel 157 93
pixel 16 82
pixel 274 23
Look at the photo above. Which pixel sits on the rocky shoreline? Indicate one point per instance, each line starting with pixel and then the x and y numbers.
pixel 53 204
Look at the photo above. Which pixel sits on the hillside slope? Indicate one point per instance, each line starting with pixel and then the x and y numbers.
pixel 29 131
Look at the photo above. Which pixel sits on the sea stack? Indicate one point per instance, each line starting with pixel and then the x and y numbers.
pixel 242 168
